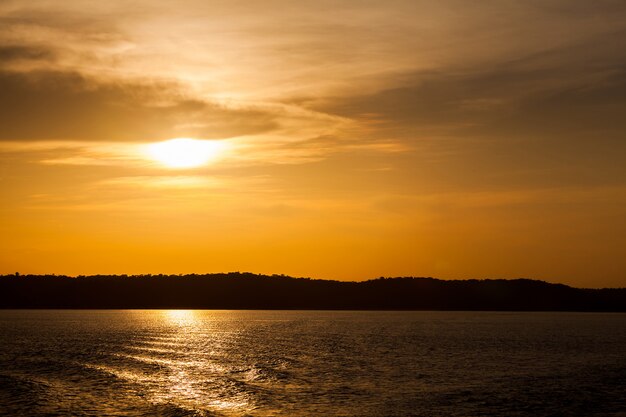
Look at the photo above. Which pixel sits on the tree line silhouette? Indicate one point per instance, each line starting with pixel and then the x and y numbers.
pixel 237 290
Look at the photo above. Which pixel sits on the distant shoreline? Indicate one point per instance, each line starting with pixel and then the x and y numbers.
pixel 247 291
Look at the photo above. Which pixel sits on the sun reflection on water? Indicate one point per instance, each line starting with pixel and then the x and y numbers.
pixel 180 317
pixel 183 360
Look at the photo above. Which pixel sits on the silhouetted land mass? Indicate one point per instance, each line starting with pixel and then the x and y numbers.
pixel 251 291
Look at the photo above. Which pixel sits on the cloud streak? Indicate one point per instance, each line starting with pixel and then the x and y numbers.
pixel 68 106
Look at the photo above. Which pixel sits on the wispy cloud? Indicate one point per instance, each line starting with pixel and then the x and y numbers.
pixel 173 181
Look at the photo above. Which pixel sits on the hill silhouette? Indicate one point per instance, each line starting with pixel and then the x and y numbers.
pixel 250 291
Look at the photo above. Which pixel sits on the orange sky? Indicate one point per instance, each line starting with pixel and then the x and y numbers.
pixel 344 140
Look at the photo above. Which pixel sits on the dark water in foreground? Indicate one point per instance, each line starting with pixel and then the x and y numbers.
pixel 263 363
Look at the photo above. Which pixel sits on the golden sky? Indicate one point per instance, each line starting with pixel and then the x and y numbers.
pixel 344 140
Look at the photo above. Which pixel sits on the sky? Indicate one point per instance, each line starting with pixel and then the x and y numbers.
pixel 340 140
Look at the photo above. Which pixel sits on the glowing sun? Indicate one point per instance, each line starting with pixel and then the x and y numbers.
pixel 185 152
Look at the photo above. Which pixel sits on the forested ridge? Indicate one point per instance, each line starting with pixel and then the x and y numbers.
pixel 251 291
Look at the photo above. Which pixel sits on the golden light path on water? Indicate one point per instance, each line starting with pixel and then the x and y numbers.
pixel 309 363
pixel 180 317
pixel 189 365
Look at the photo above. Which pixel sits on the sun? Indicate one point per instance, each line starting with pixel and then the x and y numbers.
pixel 185 152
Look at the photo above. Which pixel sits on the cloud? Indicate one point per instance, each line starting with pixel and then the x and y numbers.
pixel 152 72
pixel 563 91
pixel 52 105
pixel 12 53
pixel 172 181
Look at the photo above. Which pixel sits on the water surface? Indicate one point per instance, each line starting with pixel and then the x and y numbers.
pixel 311 363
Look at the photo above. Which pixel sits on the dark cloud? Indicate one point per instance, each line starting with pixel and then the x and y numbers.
pixel 580 8
pixel 596 107
pixel 11 53
pixel 44 105
pixel 77 21
pixel 557 93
